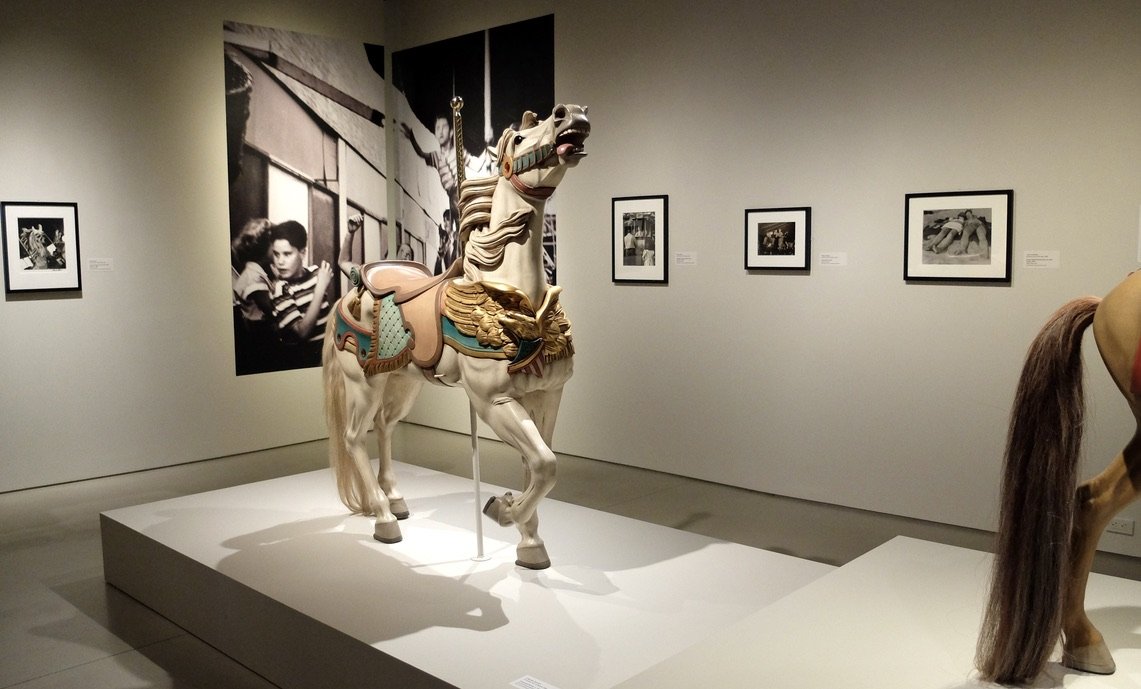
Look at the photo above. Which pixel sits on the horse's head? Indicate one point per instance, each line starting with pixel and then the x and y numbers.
pixel 535 157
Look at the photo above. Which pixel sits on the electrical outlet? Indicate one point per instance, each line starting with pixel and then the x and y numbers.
pixel 1121 525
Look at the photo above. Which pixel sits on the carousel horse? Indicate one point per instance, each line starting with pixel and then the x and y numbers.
pixel 1049 526
pixel 490 324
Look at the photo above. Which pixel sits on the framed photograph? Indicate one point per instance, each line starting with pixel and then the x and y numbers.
pixel 778 238
pixel 640 239
pixel 41 246
pixel 958 235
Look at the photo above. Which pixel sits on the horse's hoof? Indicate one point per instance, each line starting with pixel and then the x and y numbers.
pixel 532 556
pixel 387 532
pixel 497 509
pixel 1095 659
pixel 399 508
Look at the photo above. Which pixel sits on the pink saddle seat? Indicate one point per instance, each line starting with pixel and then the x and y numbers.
pixel 419 294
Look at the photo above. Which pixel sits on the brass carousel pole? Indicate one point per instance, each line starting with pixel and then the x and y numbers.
pixel 458 135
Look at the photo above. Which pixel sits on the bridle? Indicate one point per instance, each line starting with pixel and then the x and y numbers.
pixel 511 168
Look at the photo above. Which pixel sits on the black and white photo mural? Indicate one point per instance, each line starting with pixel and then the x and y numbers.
pixel 499 73
pixel 306 161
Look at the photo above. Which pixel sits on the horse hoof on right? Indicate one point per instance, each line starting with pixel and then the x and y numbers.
pixel 532 556
pixel 387 532
pixel 1095 659
pixel 498 510
pixel 399 508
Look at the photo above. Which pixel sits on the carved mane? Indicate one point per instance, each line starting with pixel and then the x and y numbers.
pixel 480 243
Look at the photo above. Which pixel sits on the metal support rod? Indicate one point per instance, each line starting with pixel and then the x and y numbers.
pixel 479 556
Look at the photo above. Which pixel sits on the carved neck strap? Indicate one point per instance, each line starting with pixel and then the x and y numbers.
pixel 511 168
pixel 540 193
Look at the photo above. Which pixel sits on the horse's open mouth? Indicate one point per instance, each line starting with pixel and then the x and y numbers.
pixel 572 143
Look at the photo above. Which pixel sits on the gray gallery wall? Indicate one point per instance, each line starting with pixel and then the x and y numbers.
pixel 118 106
pixel 844 385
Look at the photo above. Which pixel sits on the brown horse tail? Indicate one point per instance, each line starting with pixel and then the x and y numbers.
pixel 348 483
pixel 1023 618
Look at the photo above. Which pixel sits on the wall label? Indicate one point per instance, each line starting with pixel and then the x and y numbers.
pixel 685 258
pixel 834 258
pixel 1042 259
pixel 101 265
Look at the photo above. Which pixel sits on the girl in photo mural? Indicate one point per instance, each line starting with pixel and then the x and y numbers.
pixel 252 289
pixel 249 254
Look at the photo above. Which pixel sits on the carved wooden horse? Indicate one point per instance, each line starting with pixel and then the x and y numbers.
pixel 1049 526
pixel 491 324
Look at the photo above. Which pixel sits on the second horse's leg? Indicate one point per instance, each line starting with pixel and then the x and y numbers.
pixel 1099 499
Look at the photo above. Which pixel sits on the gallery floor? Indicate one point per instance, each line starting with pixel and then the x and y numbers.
pixel 62 627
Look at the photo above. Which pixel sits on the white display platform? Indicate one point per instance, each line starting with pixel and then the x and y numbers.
pixel 278 576
pixel 903 616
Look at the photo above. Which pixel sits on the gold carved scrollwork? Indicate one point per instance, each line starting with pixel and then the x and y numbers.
pixel 500 316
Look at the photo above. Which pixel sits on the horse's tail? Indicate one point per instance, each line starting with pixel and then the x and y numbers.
pixel 352 493
pixel 1023 618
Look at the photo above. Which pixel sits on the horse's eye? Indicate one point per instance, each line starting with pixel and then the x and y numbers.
pixel 518 140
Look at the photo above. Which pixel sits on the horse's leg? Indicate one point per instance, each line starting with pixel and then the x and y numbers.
pixel 1116 331
pixel 543 408
pixel 514 426
pixel 346 392
pixel 1098 500
pixel 362 401
pixel 400 393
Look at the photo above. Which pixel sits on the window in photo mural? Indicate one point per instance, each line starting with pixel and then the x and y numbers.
pixel 499 73
pixel 305 153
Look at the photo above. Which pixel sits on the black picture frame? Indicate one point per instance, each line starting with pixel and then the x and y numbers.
pixel 640 239
pixel 41 246
pixel 958 236
pixel 778 238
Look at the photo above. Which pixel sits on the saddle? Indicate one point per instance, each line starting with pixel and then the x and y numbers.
pixel 414 314
pixel 419 295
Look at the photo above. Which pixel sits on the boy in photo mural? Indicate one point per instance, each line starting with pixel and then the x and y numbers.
pixel 300 300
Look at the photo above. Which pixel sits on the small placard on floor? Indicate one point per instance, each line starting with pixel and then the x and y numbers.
pixel 529 682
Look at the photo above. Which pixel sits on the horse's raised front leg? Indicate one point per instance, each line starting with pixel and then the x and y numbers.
pixel 1099 499
pixel 543 408
pixel 400 393
pixel 512 423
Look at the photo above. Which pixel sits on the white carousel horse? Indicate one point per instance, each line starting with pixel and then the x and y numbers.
pixel 1049 526
pixel 491 324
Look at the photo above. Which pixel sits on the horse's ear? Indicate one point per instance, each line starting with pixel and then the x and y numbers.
pixel 529 120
